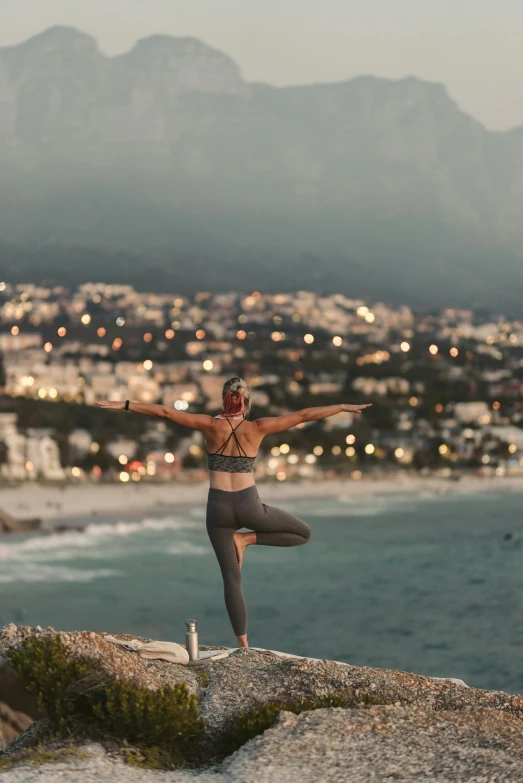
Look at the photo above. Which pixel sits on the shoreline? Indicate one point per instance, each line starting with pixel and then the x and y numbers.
pixel 87 502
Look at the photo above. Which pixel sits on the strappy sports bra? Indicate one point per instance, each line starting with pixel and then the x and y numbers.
pixel 231 464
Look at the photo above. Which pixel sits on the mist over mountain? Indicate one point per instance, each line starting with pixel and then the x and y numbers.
pixel 164 166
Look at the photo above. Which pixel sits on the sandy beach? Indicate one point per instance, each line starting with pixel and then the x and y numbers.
pixel 83 501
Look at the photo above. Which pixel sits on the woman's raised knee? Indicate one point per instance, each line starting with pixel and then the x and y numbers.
pixel 306 535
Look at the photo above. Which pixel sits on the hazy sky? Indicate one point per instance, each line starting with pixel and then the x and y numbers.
pixel 475 47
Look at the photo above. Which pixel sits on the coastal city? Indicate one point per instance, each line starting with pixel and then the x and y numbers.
pixel 446 387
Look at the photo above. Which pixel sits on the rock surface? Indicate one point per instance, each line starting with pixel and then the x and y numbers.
pixel 424 729
pixel 375 743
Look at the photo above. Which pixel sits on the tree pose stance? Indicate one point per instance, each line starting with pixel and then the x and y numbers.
pixel 233 500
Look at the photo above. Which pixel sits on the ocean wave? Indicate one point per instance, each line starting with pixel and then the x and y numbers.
pixel 186 548
pixel 366 506
pixel 42 573
pixel 86 542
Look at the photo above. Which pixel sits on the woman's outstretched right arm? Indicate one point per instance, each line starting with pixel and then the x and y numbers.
pixel 272 424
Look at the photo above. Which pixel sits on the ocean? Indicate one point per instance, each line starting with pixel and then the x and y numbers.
pixel 429 583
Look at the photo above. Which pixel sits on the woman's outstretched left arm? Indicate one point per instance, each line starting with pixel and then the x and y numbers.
pixel 193 421
pixel 273 424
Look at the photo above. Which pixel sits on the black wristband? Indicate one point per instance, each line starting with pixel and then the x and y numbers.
pixel 127 405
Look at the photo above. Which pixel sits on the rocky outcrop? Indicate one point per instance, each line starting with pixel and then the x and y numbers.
pixel 410 728
pixel 9 524
pixel 12 724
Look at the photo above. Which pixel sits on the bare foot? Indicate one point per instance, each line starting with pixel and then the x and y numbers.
pixel 242 540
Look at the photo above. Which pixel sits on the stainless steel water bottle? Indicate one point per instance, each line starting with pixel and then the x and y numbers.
pixel 191 640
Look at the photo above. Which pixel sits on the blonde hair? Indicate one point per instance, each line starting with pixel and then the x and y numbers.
pixel 240 390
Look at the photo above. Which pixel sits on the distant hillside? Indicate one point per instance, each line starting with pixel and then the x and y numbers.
pixel 165 152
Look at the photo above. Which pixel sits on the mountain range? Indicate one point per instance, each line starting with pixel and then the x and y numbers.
pixel 165 167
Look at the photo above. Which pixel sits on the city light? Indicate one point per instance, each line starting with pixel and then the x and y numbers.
pixel 454 352
pixel 3 286
pixel 48 347
pixel 336 450
pixel 399 453
pixel 369 448
pixel 62 331
pixel 241 335
pixel 42 393
pixel 181 405
pixel 29 466
pixel 275 451
pixel 95 447
pixel 362 310
pixel 281 475
pixel 147 337
pixel 101 331
pixel 169 334
pixel 124 476
pixel 285 448
pixel 208 365
pixel 405 346
pixel 438 407
pixel 169 457
pixel 413 401
pixel 120 321
pixel 85 319
pixel 15 330
pixel 195 450
pixel 370 317
pixel 309 339
pixel 350 451
pixel 433 349
pixel 485 459
pixel 293 459
pixel 53 393
pixel 496 405
pixel 350 439
pixel 512 448
pixel 277 336
pixel 76 472
pixel 122 459
pixel 200 334
pixel 356 474
pixel 443 449
pixel 310 459
pixel 117 343
pixel 318 451
pixel 147 365
pixel 337 340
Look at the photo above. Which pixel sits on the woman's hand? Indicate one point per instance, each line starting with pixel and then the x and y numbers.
pixel 355 408
pixel 112 404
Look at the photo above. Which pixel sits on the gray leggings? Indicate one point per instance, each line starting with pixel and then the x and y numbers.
pixel 228 512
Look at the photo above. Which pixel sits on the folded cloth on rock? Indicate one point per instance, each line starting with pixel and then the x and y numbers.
pixel 166 651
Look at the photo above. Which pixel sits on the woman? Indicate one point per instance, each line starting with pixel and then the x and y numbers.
pixel 233 500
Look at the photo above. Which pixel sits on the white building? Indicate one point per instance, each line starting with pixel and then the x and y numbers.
pixel 43 456
pixel 468 412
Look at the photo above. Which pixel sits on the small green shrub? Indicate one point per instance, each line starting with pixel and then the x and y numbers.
pixel 77 695
pixel 203 677
pixel 39 756
pixel 246 725
pixel 45 668
pixel 167 718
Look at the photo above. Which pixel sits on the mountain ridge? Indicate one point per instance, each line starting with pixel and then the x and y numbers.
pixel 166 148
